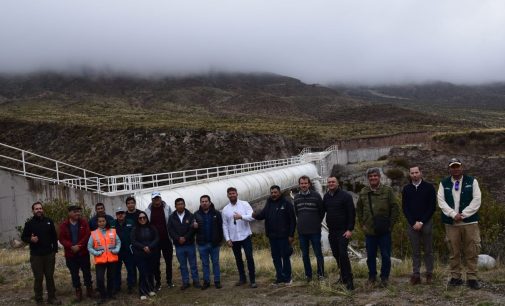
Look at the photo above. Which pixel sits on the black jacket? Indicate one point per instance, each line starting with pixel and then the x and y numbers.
pixel 279 216
pixel 142 236
pixel 44 229
pixel 340 211
pixel 419 203
pixel 185 229
pixel 217 226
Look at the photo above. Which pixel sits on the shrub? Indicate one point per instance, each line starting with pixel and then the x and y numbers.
pixel 400 162
pixel 395 174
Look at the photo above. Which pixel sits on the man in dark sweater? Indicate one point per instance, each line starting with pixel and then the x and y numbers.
pixel 40 233
pixel 280 224
pixel 310 213
pixel 340 218
pixel 418 202
pixel 132 213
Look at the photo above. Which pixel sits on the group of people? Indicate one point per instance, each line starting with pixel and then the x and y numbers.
pixel 137 238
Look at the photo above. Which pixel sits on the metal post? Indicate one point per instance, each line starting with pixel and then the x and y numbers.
pixel 57 173
pixel 24 165
pixel 85 180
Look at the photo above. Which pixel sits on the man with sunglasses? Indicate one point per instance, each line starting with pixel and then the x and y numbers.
pixel 459 198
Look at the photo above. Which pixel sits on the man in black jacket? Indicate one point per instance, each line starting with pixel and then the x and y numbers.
pixel 181 230
pixel 340 218
pixel 280 224
pixel 40 233
pixel 209 235
pixel 419 202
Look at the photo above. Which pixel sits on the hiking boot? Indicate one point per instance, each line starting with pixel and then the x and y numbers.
pixel 429 279
pixel 205 285
pixel 218 285
pixel 253 285
pixel 473 284
pixel 349 285
pixel 455 282
pixel 241 282
pixel 415 280
pixel 89 292
pixel 78 294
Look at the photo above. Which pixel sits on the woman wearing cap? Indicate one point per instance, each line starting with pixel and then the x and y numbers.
pixel 104 244
pixel 144 241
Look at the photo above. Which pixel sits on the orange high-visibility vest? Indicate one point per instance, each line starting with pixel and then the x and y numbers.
pixel 106 244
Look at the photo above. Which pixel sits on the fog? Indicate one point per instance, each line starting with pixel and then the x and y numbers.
pixel 354 41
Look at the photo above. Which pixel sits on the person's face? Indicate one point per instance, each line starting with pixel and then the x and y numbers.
pixel 374 179
pixel 100 210
pixel 101 222
pixel 332 183
pixel 75 214
pixel 456 171
pixel 130 205
pixel 179 206
pixel 157 201
pixel 120 216
pixel 275 194
pixel 142 219
pixel 205 203
pixel 232 196
pixel 37 210
pixel 304 185
pixel 415 174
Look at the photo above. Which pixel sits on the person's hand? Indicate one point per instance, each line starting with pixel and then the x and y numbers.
pixel 34 239
pixel 182 240
pixel 75 248
pixel 458 218
pixel 147 250
pixel 229 243
pixel 418 226
pixel 291 240
pixel 347 234
pixel 195 224
pixel 237 216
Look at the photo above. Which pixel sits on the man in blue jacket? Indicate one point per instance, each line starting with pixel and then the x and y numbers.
pixel 124 228
pixel 280 225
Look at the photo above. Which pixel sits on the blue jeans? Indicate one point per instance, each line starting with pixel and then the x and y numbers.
pixel 279 247
pixel 187 254
pixel 125 257
pixel 207 250
pixel 384 243
pixel 315 239
pixel 246 244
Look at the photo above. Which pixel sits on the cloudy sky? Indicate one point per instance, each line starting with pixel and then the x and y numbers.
pixel 358 41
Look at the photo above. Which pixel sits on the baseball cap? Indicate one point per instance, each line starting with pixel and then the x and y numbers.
pixel 120 209
pixel 72 207
pixel 454 161
pixel 155 194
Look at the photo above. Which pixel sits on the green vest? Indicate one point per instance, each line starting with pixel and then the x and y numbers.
pixel 465 198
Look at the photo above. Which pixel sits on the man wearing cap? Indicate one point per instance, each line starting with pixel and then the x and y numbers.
pixel 377 211
pixel 158 212
pixel 100 211
pixel 74 236
pixel 124 228
pixel 459 198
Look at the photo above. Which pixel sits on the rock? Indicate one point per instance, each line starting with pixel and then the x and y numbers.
pixel 16 244
pixel 486 261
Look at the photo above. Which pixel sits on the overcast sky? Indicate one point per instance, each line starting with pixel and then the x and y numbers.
pixel 375 41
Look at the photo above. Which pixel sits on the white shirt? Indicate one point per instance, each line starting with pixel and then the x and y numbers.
pixel 471 209
pixel 240 229
pixel 181 216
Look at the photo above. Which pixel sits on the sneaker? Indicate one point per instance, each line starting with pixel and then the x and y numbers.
pixel 455 282
pixel 157 287
pixel 143 297
pixel 185 286
pixel 152 293
pixel 205 285
pixel 170 285
pixel 473 284
pixel 289 282
pixel 253 285
pixel 218 285
pixel 320 278
pixel 415 280
pixel 241 282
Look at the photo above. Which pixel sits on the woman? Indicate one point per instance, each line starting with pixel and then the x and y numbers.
pixel 144 241
pixel 104 245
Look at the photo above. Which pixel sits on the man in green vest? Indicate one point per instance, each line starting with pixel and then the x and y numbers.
pixel 459 199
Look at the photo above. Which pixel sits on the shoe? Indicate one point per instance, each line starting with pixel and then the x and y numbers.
pixel 101 301
pixel 205 285
pixel 384 283
pixel 89 292
pixel 473 284
pixel 40 302
pixel 241 282
pixel 320 278
pixel 289 282
pixel 157 287
pixel 53 301
pixel 371 281
pixel 455 282
pixel 197 285
pixel 143 297
pixel 415 280
pixel 78 294
pixel 253 285
pixel 185 286
pixel 170 285
pixel 152 293
pixel 308 279
pixel 218 285
pixel 429 279
pixel 130 290
pixel 349 285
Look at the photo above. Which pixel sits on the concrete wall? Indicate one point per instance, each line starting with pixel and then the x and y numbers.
pixel 17 194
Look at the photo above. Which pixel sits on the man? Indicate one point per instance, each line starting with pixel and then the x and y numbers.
pixel 124 228
pixel 280 225
pixel 209 235
pixel 40 234
pixel 236 217
pixel 459 198
pixel 377 211
pixel 158 213
pixel 74 236
pixel 340 216
pixel 180 228
pixel 310 213
pixel 419 203
pixel 132 213
pixel 100 211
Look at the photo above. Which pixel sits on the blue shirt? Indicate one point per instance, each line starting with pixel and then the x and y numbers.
pixel 74 232
pixel 207 226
